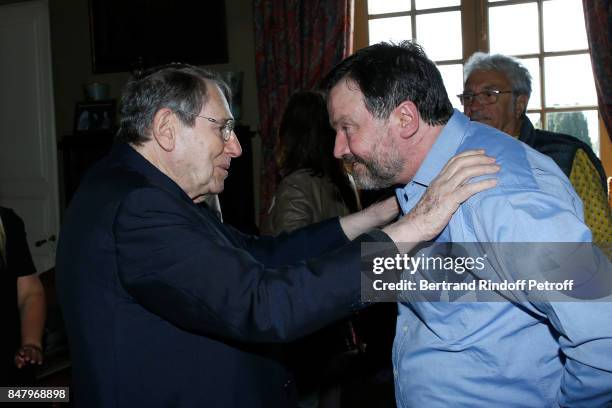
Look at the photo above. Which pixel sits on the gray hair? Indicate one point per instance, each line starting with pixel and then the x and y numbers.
pixel 518 76
pixel 179 87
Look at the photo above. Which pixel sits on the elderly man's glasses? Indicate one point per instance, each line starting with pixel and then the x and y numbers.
pixel 484 98
pixel 227 127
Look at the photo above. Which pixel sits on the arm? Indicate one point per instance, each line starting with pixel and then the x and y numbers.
pixel 187 272
pixel 30 293
pixel 32 311
pixel 190 273
pixel 583 328
pixel 424 222
pixel 585 341
pixel 297 245
pixel 376 215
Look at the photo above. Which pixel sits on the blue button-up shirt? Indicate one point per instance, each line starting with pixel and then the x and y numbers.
pixel 483 354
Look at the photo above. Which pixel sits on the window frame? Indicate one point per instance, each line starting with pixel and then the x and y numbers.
pixel 475 37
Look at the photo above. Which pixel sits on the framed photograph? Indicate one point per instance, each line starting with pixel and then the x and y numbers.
pixel 94 116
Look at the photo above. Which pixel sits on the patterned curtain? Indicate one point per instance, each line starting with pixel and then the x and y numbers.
pixel 597 15
pixel 296 43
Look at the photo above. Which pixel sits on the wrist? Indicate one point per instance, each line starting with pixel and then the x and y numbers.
pixel 383 212
pixel 405 230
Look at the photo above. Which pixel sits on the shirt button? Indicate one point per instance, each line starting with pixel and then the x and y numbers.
pixel 405 328
pixel 395 373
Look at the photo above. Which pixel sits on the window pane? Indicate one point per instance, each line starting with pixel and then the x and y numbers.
pixel 390 29
pixel 582 125
pixel 564 26
pixel 440 46
pixel 452 75
pixel 533 66
pixel 429 4
pixel 536 119
pixel 387 6
pixel 569 81
pixel 514 29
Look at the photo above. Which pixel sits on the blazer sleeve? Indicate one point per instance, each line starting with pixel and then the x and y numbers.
pixel 304 243
pixel 192 277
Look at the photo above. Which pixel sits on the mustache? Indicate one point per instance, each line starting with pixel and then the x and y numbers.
pixel 478 117
pixel 350 159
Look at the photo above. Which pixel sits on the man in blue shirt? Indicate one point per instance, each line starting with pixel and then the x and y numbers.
pixel 394 125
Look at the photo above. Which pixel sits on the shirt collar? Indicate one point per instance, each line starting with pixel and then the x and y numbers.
pixel 443 149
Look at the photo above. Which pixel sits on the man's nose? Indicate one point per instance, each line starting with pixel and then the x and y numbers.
pixel 232 147
pixel 474 106
pixel 341 146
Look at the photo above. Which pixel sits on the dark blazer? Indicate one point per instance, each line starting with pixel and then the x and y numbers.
pixel 167 307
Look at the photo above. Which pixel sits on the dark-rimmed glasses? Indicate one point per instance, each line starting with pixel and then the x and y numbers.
pixel 227 127
pixel 484 98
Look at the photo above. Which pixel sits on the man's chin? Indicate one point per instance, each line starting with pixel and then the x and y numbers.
pixel 369 183
pixel 360 175
pixel 366 180
pixel 217 189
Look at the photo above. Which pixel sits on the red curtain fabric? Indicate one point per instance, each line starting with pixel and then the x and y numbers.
pixel 296 43
pixel 597 15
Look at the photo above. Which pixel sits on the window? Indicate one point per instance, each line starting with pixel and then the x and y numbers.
pixel 548 36
pixel 398 20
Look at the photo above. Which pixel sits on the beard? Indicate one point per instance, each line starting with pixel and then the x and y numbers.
pixel 378 172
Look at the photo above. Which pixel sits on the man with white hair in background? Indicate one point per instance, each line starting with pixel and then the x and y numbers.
pixel 496 92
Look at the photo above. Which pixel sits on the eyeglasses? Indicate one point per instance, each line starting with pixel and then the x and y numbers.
pixel 485 97
pixel 227 127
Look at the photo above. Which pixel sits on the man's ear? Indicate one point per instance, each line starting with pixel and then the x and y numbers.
pixel 520 105
pixel 164 129
pixel 406 116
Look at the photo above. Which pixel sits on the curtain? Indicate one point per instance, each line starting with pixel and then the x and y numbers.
pixel 296 43
pixel 597 18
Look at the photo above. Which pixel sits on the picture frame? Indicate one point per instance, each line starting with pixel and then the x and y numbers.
pixel 94 117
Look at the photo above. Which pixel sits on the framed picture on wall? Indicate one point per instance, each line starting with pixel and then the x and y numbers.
pixel 94 116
